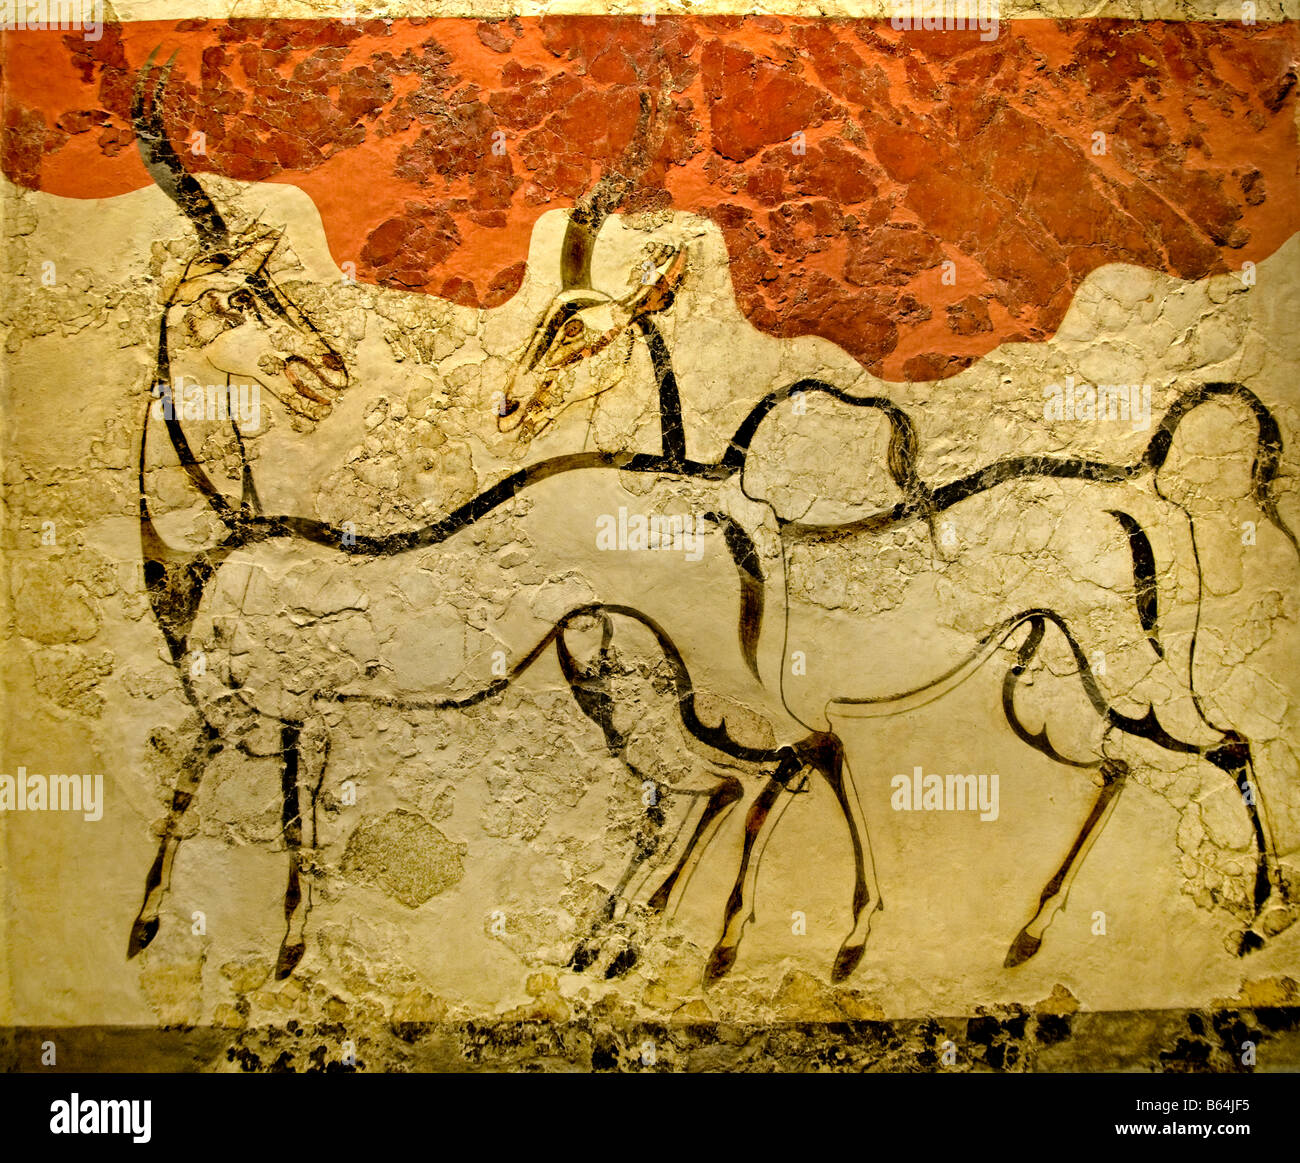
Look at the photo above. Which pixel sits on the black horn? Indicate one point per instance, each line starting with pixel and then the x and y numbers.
pixel 608 193
pixel 165 167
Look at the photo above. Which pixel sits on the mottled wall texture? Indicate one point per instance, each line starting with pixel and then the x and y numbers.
pixel 537 538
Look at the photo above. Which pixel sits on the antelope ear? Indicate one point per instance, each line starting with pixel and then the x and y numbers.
pixel 659 281
pixel 254 255
pixel 206 276
pixel 203 266
pixel 189 291
pixel 194 280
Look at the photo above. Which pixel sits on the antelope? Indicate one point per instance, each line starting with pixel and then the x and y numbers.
pixel 276 577
pixel 228 317
pixel 581 321
pixel 1132 562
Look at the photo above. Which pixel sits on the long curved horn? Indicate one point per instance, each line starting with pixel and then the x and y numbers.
pixel 181 186
pixel 591 211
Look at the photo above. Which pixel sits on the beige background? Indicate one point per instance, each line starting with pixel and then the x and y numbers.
pixel 525 802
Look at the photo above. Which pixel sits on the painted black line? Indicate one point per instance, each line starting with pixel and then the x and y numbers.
pixel 1144 577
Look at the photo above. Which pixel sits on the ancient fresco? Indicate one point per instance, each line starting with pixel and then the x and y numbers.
pixel 655 526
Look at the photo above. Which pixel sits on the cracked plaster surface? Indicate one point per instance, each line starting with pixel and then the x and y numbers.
pixel 431 824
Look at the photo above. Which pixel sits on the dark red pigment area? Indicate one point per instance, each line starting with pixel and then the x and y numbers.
pixel 915 197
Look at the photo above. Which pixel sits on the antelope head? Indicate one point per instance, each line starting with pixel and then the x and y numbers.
pixel 557 369
pixel 227 316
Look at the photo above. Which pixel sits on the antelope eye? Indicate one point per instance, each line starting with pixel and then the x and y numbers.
pixel 241 300
pixel 573 328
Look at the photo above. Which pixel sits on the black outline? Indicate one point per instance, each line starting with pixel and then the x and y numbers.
pixel 176 581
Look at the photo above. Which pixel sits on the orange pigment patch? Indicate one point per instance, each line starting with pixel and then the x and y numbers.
pixel 918 198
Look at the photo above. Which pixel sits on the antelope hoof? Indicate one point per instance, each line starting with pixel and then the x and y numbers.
pixel 721 960
pixel 621 963
pixel 846 961
pixel 1277 915
pixel 1249 942
pixel 1022 949
pixel 289 957
pixel 142 932
pixel 584 957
